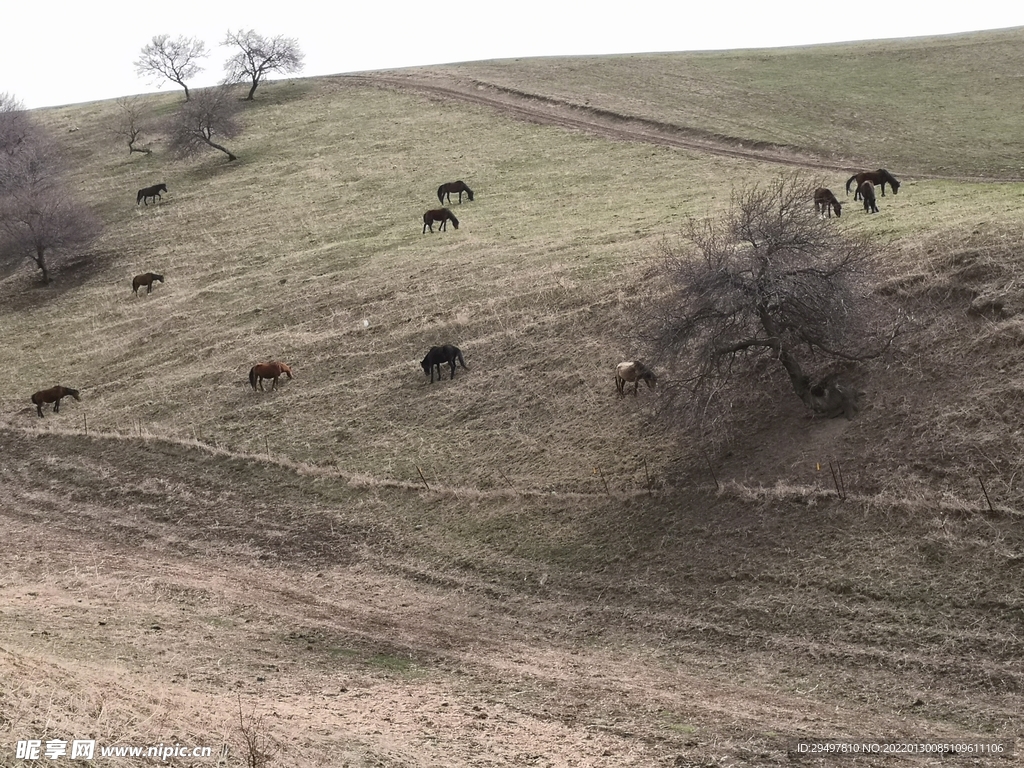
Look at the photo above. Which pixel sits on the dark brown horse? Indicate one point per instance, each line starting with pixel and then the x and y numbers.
pixel 445 190
pixel 880 178
pixel 153 192
pixel 824 200
pixel 269 370
pixel 438 356
pixel 867 193
pixel 52 395
pixel 145 280
pixel 442 215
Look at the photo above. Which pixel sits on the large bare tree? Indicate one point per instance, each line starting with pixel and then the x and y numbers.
pixel 39 218
pixel 770 283
pixel 258 56
pixel 211 115
pixel 176 60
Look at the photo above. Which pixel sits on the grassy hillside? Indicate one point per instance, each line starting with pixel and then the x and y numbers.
pixel 513 567
pixel 926 106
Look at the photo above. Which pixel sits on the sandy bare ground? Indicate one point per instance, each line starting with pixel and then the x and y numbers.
pixel 149 596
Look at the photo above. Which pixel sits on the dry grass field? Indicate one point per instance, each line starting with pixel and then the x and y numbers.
pixel 516 567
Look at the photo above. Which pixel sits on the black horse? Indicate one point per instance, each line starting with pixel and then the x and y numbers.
pixel 52 395
pixel 881 177
pixel 153 192
pixel 437 356
pixel 445 190
pixel 145 280
pixel 867 193
pixel 442 215
pixel 824 200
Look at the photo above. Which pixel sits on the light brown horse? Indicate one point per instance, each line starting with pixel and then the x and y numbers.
pixel 635 372
pixel 269 370
pixel 52 395
pixel 824 200
pixel 145 280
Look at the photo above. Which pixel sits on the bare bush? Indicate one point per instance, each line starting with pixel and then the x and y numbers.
pixel 212 113
pixel 769 284
pixel 129 123
pixel 176 60
pixel 258 56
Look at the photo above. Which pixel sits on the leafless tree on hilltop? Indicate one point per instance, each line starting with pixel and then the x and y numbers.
pixel 258 56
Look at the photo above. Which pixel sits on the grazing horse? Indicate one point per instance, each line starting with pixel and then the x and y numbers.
pixel 145 280
pixel 52 395
pixel 881 177
pixel 445 190
pixel 442 215
pixel 635 372
pixel 442 355
pixel 268 370
pixel 824 200
pixel 867 193
pixel 153 192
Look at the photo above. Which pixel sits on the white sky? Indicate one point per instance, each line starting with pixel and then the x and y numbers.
pixel 60 52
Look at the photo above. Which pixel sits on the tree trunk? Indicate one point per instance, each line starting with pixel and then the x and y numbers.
pixel 222 149
pixel 40 261
pixel 252 91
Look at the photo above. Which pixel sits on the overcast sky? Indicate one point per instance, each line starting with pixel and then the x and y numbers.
pixel 59 52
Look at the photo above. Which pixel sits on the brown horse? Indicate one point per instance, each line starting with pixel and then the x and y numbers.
pixel 442 215
pixel 867 194
pixel 445 190
pixel 824 200
pixel 881 177
pixel 634 372
pixel 269 370
pixel 145 280
pixel 52 395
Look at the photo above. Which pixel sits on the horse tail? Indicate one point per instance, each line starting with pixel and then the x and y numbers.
pixel 850 181
pixel 252 378
pixel 458 355
pixel 440 194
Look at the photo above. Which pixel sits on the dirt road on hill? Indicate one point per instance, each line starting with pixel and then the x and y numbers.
pixel 593 120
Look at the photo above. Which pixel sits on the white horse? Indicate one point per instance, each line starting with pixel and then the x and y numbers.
pixel 634 372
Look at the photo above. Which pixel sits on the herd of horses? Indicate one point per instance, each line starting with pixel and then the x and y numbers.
pixel 629 372
pixel 864 184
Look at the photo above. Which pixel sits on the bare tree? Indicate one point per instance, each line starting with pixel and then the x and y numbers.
pixel 769 283
pixel 258 56
pixel 129 123
pixel 42 224
pixel 211 113
pixel 176 60
pixel 39 219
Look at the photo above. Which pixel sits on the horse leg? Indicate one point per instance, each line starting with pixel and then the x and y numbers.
pixel 149 288
pixel 39 410
pixel 452 364
pixel 56 406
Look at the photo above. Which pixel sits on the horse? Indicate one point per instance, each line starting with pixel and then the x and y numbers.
pixel 867 193
pixel 824 200
pixel 269 370
pixel 445 190
pixel 145 280
pixel 442 215
pixel 153 192
pixel 441 355
pixel 52 395
pixel 881 177
pixel 635 372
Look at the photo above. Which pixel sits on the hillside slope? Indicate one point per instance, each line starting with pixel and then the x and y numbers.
pixel 514 566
